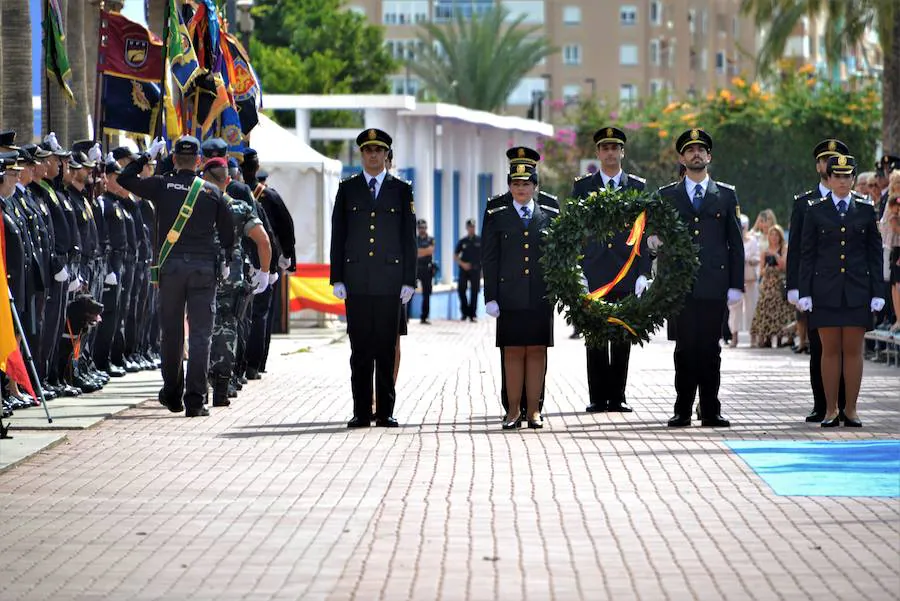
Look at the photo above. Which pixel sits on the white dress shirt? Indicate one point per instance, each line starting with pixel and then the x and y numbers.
pixel 379 179
pixel 616 179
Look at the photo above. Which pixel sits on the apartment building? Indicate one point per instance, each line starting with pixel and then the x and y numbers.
pixel 617 49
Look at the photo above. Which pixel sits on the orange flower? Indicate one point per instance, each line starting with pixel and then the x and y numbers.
pixel 754 89
pixel 670 107
pixel 810 82
pixel 725 95
pixel 663 133
pixel 688 117
pixel 738 82
pixel 806 69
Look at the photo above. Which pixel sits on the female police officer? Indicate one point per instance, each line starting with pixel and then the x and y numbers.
pixel 514 290
pixel 840 272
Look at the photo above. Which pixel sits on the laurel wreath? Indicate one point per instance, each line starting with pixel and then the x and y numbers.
pixel 603 215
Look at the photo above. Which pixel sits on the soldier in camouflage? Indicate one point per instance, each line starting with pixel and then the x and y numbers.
pixel 233 286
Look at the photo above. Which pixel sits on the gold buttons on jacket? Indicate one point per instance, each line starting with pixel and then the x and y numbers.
pixel 526 234
pixel 527 272
pixel 525 246
pixel 609 245
pixel 721 267
pixel 696 220
pixel 843 270
pixel 371 240
pixel 843 243
pixel 696 232
pixel 843 229
pixel 527 259
pixel 372 214
pixel 842 257
pixel 371 253
pixel 372 227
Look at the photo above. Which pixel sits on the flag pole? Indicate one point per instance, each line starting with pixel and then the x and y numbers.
pixel 98 90
pixel 28 359
pixel 163 80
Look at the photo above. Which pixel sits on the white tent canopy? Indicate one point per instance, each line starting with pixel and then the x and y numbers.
pixel 305 179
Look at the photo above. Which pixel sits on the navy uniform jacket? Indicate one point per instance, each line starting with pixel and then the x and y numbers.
pixel 15 260
pixel 511 255
pixel 63 244
pixel 210 216
pixel 604 258
pixel 116 230
pixel 86 230
pixel 65 198
pixel 841 259
pixel 798 215
pixel 40 203
pixel 373 242
pixel 281 222
pixel 716 229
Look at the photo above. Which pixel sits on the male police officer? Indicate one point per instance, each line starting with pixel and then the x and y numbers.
pixel 468 257
pixel 710 211
pixel 607 366
pixel 424 267
pixel 191 212
pixel 373 268
pixel 821 153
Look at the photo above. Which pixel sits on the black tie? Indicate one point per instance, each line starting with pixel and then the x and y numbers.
pixel 842 207
pixel 526 216
pixel 610 184
pixel 372 183
pixel 698 196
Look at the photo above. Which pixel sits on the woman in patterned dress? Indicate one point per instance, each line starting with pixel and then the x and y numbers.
pixel 773 312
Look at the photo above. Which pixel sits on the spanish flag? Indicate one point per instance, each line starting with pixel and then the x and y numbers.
pixel 310 289
pixel 11 361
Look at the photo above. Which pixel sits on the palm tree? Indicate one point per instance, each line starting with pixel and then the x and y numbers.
pixel 477 62
pixel 75 23
pixel 15 93
pixel 54 105
pixel 845 26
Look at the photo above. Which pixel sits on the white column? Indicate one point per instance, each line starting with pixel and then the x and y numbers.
pixel 403 140
pixel 497 157
pixel 423 159
pixel 383 119
pixel 471 199
pixel 448 229
pixel 301 119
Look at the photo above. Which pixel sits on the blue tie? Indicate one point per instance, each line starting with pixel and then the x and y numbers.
pixel 526 216
pixel 698 197
pixel 842 207
pixel 372 183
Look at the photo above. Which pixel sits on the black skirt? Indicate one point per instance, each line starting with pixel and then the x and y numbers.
pixel 895 269
pixel 530 327
pixel 843 317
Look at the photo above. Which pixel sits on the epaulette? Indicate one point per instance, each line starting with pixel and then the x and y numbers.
pixel 636 178
pixel 547 195
pixel 672 185
pixel 578 178
pixel 862 199
pixel 495 196
pixel 803 195
pixel 724 185
pixel 349 177
pixel 496 209
pixel 814 201
pixel 549 208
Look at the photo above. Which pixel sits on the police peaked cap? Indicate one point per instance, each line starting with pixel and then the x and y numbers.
pixel 9 159
pixel 830 147
pixel 111 168
pixel 37 152
pixel 374 137
pixel 214 147
pixel 188 145
pixel 693 136
pixel 523 155
pixel 609 135
pixel 841 164
pixel 123 152
pixel 25 156
pixel 8 138
pixel 889 163
pixel 523 171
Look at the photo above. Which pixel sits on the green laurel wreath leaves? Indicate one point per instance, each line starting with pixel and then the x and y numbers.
pixel 602 215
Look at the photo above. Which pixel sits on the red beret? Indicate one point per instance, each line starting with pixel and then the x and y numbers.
pixel 216 162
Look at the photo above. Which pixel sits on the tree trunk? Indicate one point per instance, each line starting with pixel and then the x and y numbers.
pixel 78 123
pixel 54 106
pixel 15 94
pixel 890 96
pixel 91 48
pixel 157 16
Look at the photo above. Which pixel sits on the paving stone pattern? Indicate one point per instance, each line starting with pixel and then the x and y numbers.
pixel 273 498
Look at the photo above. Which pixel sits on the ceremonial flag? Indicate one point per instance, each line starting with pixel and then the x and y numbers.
pixel 129 49
pixel 180 51
pixel 230 131
pixel 245 85
pixel 130 105
pixel 11 361
pixel 309 288
pixel 204 32
pixel 56 60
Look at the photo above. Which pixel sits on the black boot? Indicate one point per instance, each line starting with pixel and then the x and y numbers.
pixel 220 392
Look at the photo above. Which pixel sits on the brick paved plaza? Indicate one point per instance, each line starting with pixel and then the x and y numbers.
pixel 273 498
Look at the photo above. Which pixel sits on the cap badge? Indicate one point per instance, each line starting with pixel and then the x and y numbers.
pixel 695 135
pixel 520 169
pixel 521 153
pixel 842 161
pixel 372 134
pixel 832 145
pixel 609 132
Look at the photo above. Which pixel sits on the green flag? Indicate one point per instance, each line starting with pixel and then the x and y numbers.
pixel 180 51
pixel 55 58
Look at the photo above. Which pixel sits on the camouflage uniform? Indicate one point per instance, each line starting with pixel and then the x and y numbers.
pixel 230 293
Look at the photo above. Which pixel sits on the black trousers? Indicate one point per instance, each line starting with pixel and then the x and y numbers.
pixel 372 323
pixel 815 375
pixel 698 358
pixel 109 324
pixel 259 326
pixel 471 281
pixel 607 373
pixel 54 312
pixel 126 288
pixel 270 322
pixel 186 284
pixel 426 278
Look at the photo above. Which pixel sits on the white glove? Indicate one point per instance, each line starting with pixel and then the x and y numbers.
pixel 734 296
pixel 52 142
pixel 273 277
pixel 492 309
pixel 406 294
pixel 793 296
pixel 283 262
pixel 110 158
pixel 582 279
pixel 641 285
pixel 340 291
pixel 805 304
pixel 260 280
pixel 226 271
pixel 156 148
pixel 653 242
pixel 111 279
pixel 95 154
pixel 62 275
pixel 75 284
pixel 877 304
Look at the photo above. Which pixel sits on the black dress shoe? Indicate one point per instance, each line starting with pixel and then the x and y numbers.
pixel 253 374
pixel 715 422
pixel 425 322
pixel 195 412
pixel 359 423
pixel 534 424
pixel 619 408
pixel 815 416
pixel 386 422
pixel 852 423
pixel 473 319
pixel 596 408
pixel 831 423
pixel 221 403
pixel 512 425
pixel 679 421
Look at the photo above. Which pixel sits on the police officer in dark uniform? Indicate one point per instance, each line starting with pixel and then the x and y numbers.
pixel 710 211
pixel 841 282
pixel 468 257
pixel 821 153
pixel 519 155
pixel 187 275
pixel 607 366
pixel 373 268
pixel 424 267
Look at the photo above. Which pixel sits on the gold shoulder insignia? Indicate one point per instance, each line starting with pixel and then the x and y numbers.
pixel 496 210
pixel 724 185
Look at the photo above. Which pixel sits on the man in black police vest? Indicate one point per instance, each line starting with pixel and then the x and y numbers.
pixel 468 257
pixel 710 211
pixel 191 212
pixel 607 367
pixel 821 153
pixel 373 268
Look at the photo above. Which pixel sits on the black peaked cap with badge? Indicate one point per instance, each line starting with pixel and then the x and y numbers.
pixel 609 135
pixel 374 137
pixel 841 164
pixel 123 152
pixel 523 172
pixel 8 139
pixel 186 145
pixel 523 155
pixel 214 147
pixel 830 147
pixel 889 163
pixel 693 136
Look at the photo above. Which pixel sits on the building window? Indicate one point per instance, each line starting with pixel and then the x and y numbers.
pixel 445 10
pixel 628 15
pixel 654 52
pixel 571 93
pixel 572 15
pixel 657 86
pixel 655 12
pixel 628 55
pixel 396 12
pixel 720 62
pixel 692 21
pixel 525 93
pixel 402 85
pixel 532 10
pixel 572 54
pixel 627 94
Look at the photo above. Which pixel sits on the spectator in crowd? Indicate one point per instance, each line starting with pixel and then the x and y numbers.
pixel 863 183
pixel 740 314
pixel 773 312
pixel 890 232
pixel 764 220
